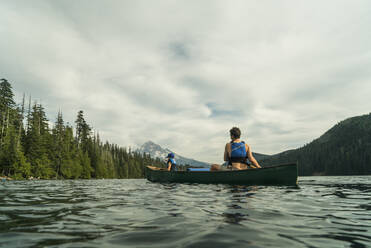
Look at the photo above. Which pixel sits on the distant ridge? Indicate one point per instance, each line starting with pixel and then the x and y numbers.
pixel 260 156
pixel 156 151
pixel 345 149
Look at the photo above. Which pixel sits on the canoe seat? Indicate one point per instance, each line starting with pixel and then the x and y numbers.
pixel 198 169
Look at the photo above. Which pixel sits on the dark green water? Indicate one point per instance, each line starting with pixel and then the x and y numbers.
pixel 322 212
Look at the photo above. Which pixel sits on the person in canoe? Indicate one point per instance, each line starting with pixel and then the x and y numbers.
pixel 171 163
pixel 237 153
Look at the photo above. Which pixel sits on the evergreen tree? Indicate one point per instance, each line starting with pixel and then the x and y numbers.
pixel 83 131
pixel 12 159
pixel 6 95
pixel 38 142
pixel 7 107
pixel 85 163
pixel 58 134
pixel 71 166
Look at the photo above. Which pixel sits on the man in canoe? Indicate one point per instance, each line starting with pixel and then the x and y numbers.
pixel 237 152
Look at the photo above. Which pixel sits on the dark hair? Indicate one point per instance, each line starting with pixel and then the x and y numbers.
pixel 235 132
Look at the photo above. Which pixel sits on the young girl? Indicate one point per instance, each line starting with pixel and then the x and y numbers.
pixel 171 163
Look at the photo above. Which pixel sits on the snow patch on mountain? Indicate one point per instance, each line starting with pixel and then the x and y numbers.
pixel 156 151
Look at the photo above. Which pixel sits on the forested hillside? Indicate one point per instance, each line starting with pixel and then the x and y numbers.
pixel 29 147
pixel 345 149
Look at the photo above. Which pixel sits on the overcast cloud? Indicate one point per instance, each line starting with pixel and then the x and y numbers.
pixel 182 73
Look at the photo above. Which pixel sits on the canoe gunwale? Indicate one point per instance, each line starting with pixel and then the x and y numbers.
pixel 223 171
pixel 283 174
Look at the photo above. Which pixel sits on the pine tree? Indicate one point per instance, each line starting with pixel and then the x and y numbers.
pixel 83 131
pixel 12 158
pixel 71 165
pixel 7 107
pixel 38 143
pixel 58 134
pixel 85 163
pixel 6 95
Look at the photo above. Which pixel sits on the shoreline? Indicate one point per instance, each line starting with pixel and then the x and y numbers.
pixel 6 178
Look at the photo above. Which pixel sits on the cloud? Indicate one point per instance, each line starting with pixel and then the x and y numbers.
pixel 183 73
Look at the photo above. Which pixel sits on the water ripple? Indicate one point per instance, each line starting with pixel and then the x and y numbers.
pixel 137 213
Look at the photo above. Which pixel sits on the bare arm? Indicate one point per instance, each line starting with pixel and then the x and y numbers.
pixel 169 166
pixel 226 152
pixel 251 157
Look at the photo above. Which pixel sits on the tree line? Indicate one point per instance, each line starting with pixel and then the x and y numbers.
pixel 29 147
pixel 345 149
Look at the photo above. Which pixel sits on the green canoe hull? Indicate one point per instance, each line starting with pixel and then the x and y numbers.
pixel 286 174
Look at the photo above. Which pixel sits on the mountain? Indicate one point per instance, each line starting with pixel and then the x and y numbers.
pixel 259 156
pixel 345 149
pixel 156 151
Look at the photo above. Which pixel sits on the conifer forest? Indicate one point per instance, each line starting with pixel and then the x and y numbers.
pixel 30 148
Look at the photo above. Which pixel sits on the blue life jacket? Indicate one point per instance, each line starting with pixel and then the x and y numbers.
pixel 238 153
pixel 172 164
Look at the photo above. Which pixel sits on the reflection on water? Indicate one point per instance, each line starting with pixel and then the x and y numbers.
pixel 239 196
pixel 322 212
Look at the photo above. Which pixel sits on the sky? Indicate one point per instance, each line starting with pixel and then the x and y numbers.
pixel 182 73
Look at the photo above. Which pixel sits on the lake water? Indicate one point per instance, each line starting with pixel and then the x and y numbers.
pixel 321 212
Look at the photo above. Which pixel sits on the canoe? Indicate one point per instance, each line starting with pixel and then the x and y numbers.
pixel 284 174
